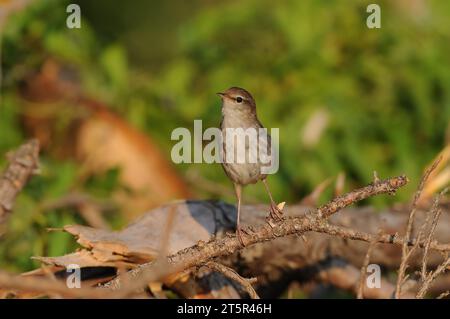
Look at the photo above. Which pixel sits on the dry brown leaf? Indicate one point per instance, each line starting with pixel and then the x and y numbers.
pixel 140 241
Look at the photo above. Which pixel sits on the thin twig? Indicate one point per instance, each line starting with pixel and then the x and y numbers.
pixel 233 275
pixel 431 277
pixel 388 186
pixel 436 214
pixel 362 277
pixel 349 233
pixel 406 253
pixel 443 295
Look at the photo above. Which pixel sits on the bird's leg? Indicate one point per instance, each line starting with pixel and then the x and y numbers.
pixel 238 190
pixel 275 212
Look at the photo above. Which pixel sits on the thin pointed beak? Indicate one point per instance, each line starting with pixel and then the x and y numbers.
pixel 220 94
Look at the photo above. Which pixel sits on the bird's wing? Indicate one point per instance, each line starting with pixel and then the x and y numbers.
pixel 265 144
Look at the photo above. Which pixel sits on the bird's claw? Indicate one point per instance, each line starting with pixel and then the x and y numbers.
pixel 239 232
pixel 275 212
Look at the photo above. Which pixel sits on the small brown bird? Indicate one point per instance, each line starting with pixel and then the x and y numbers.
pixel 239 111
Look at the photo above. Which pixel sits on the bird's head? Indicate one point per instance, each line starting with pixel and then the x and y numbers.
pixel 236 98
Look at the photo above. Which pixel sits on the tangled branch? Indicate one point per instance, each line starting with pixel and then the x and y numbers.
pixel 201 253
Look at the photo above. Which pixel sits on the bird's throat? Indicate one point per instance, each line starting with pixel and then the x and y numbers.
pixel 235 118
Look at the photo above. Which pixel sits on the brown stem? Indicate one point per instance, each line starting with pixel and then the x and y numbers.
pixel 22 164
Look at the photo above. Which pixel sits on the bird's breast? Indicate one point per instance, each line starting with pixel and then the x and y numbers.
pixel 240 160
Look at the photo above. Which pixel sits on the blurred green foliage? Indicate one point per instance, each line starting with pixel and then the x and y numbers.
pixel 386 91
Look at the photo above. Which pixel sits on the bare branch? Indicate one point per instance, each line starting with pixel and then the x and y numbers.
pixel 22 164
pixel 388 186
pixel 233 275
pixel 348 233
pixel 406 253
pixel 436 214
pixel 202 252
pixel 431 277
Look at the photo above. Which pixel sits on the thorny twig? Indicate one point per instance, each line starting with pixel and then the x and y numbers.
pixel 202 252
pixel 431 277
pixel 406 253
pixel 436 212
pixel 428 278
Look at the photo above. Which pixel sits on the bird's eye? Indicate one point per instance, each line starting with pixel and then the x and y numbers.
pixel 239 99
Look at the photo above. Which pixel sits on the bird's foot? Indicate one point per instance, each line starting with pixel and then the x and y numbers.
pixel 239 232
pixel 276 213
